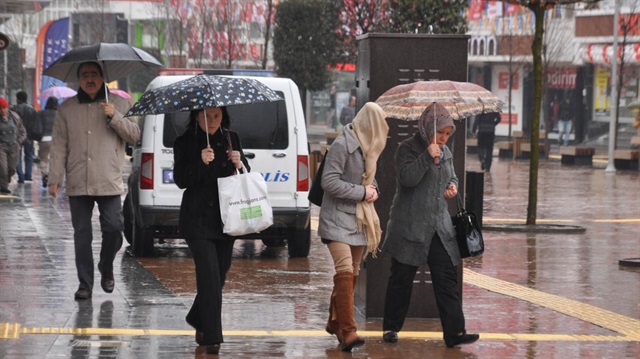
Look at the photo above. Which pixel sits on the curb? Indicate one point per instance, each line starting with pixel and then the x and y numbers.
pixel 536 228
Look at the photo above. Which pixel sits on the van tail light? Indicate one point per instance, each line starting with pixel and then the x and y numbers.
pixel 303 173
pixel 146 171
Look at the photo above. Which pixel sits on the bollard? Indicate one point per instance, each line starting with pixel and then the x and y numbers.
pixel 474 194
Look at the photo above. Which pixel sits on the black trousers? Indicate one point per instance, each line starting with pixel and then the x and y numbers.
pixel 111 225
pixel 485 149
pixel 212 259
pixel 444 277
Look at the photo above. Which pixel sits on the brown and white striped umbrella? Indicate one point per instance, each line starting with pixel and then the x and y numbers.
pixel 461 99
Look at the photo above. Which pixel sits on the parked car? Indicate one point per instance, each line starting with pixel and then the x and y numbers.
pixel 274 139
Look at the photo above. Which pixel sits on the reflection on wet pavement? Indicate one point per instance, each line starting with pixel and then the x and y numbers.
pixel 531 295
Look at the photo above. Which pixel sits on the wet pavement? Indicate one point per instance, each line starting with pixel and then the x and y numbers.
pixel 531 295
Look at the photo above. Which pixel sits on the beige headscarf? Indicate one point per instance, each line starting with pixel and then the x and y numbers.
pixel 371 129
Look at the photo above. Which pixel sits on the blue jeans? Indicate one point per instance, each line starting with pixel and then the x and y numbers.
pixel 564 131
pixel 27 145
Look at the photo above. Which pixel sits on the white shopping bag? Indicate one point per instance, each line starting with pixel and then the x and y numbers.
pixel 244 204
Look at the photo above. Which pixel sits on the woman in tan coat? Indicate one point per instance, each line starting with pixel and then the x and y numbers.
pixel 349 223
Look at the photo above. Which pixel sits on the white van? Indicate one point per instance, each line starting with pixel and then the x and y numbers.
pixel 274 140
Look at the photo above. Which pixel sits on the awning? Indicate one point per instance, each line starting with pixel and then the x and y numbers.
pixel 602 54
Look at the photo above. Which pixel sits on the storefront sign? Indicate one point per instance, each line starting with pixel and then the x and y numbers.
pixel 562 78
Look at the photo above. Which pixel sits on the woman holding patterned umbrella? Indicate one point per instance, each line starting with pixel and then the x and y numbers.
pixel 420 232
pixel 205 152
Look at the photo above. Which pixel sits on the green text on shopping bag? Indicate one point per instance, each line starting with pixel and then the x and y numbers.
pixel 251 212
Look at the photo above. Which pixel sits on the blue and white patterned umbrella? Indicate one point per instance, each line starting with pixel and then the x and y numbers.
pixel 200 92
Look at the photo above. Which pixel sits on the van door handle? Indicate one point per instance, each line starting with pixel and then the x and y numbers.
pixel 279 154
pixel 249 155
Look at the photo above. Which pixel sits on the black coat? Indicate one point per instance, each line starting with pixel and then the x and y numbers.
pixel 46 118
pixel 486 123
pixel 200 209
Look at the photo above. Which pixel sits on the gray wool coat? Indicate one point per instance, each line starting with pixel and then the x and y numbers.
pixel 342 185
pixel 419 208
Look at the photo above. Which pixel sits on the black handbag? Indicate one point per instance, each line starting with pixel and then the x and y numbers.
pixel 468 232
pixel 316 192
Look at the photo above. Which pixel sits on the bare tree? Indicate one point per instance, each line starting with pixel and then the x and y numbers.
pixel 177 34
pixel 267 33
pixel 538 8
pixel 515 61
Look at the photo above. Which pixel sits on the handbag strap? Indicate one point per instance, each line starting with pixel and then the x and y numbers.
pixel 459 203
pixel 227 135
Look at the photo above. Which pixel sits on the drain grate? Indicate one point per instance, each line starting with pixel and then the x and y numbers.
pixel 99 343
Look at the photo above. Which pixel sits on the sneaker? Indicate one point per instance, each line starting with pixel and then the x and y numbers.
pixel 20 181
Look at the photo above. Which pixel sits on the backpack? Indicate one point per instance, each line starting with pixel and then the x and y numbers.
pixel 37 129
pixel 28 115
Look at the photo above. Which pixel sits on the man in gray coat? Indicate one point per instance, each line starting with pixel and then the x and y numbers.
pixel 88 148
pixel 12 133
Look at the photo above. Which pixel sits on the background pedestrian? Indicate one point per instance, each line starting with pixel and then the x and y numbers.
pixel 46 118
pixel 28 115
pixel 484 128
pixel 88 148
pixel 12 133
pixel 348 220
pixel 420 232
pixel 197 169
pixel 348 112
pixel 565 122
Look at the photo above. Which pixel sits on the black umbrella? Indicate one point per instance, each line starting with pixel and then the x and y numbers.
pixel 117 60
pixel 200 92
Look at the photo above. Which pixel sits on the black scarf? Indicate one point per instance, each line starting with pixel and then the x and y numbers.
pixel 83 97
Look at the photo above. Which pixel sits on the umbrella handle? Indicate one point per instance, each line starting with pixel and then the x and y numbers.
pixel 436 160
pixel 206 125
pixel 106 92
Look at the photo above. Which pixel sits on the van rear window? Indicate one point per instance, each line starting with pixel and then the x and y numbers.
pixel 260 125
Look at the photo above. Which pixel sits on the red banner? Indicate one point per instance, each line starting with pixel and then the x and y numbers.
pixel 475 9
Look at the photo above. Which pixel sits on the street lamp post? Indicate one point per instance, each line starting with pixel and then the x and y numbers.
pixel 611 168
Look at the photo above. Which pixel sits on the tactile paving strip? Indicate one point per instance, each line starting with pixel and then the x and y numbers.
pixel 618 323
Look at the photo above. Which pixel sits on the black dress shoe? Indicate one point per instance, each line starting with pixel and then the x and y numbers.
pixel 212 349
pixel 390 337
pixel 199 337
pixel 5 191
pixel 462 339
pixel 107 282
pixel 82 294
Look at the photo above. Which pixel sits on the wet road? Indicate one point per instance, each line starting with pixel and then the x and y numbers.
pixel 531 295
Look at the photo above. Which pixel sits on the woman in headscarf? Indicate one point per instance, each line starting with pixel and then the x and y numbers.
pixel 205 152
pixel 420 232
pixel 349 224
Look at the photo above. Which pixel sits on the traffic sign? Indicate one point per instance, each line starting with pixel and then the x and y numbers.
pixel 4 41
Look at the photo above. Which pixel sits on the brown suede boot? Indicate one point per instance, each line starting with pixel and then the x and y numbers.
pixel 333 327
pixel 343 287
